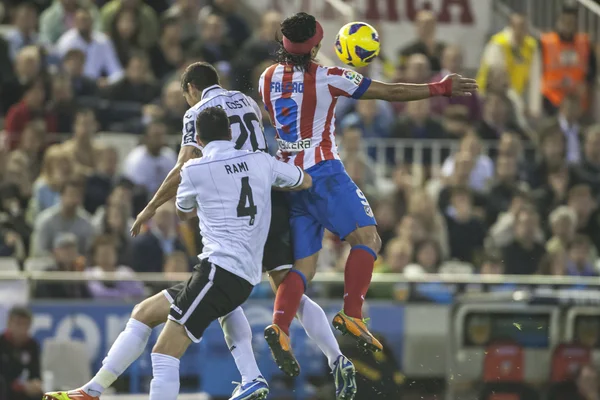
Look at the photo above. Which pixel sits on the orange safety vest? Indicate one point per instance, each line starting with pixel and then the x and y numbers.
pixel 565 66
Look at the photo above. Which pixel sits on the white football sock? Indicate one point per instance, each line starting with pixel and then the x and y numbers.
pixel 165 377
pixel 128 347
pixel 315 323
pixel 238 336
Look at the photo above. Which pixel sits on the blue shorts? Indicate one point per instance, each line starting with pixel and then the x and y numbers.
pixel 334 202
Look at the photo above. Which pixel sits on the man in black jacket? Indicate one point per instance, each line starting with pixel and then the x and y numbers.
pixel 19 359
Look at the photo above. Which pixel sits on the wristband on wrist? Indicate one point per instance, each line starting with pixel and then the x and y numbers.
pixel 443 88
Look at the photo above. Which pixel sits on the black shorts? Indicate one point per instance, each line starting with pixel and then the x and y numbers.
pixel 210 293
pixel 278 248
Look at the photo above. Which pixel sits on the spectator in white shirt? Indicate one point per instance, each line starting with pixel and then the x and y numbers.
pixel 101 61
pixel 483 168
pixel 24 32
pixel 149 164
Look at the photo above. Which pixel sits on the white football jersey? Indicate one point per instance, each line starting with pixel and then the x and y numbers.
pixel 231 191
pixel 244 115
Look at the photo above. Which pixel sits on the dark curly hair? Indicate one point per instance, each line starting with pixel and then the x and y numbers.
pixel 297 28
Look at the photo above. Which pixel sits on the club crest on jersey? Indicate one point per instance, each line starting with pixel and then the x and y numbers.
pixel 294 147
pixel 353 76
pixel 369 211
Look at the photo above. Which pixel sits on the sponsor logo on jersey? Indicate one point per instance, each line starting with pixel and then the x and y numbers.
pixel 353 76
pixel 294 147
pixel 190 132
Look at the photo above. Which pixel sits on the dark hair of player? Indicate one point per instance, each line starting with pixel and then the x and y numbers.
pixel 297 28
pixel 201 75
pixel 212 124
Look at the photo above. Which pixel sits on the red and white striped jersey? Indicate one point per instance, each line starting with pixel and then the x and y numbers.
pixel 301 106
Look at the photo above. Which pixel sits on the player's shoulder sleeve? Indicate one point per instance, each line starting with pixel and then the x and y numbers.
pixel 348 83
pixel 186 191
pixel 284 175
pixel 189 129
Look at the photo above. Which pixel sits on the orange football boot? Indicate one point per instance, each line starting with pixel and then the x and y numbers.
pixel 357 329
pixel 76 394
pixel 281 348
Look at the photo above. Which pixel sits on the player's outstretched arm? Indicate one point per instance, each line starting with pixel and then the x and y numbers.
pixel 451 85
pixel 167 190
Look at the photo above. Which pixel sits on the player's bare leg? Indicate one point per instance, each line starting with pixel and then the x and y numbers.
pixel 366 243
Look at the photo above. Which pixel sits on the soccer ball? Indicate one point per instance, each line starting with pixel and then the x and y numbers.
pixel 357 44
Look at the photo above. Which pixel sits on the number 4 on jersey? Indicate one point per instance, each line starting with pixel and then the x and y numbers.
pixel 246 198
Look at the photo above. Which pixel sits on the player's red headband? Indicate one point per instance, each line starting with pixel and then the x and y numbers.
pixel 300 49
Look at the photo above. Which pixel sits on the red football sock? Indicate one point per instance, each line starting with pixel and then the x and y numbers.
pixel 287 299
pixel 357 278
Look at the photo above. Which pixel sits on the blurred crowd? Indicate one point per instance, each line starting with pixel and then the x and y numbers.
pixel 517 194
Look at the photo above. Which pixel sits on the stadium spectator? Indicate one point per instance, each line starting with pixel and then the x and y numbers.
pixel 66 258
pixel 73 65
pixel 257 49
pixel 516 114
pixel 99 183
pixel 466 232
pixel 214 46
pixel 563 222
pixel 63 104
pixel 68 216
pixel 553 264
pixel 167 54
pixel 580 199
pixel 523 255
pixel 456 121
pixel 146 17
pixel 17 173
pixel 502 187
pixel 387 217
pixel 423 208
pixel 369 118
pixel 60 17
pixel 149 164
pixel 104 256
pixel 551 154
pixel 501 233
pixel 122 196
pixel 566 75
pixel 177 262
pixel 57 168
pixel 554 192
pixel 20 363
pixel 137 86
pixel 452 63
pixel 578 257
pixel 100 56
pixel 461 176
pixel 24 32
pixel 589 168
pixel 428 255
pixel 12 212
pixel 184 14
pixel 357 163
pixel 398 254
pixel 11 245
pixel 496 117
pixel 82 146
pixel 27 69
pixel 483 168
pixel 31 107
pixel 568 119
pixel 410 228
pixel 426 42
pixel 150 249
pixel 124 32
pixel 587 383
pixel 237 27
pixel 418 123
pixel 491 264
pixel 418 69
pixel 516 51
